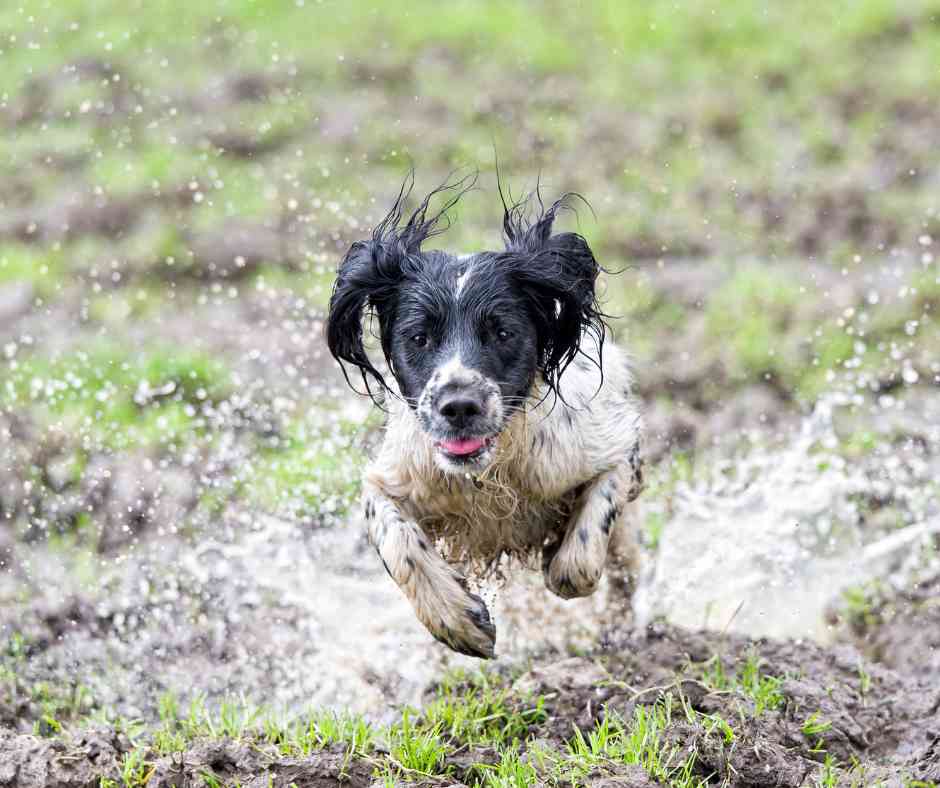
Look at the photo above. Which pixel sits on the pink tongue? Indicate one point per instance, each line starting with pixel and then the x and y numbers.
pixel 459 447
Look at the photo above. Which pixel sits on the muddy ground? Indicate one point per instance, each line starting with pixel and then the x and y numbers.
pixel 884 722
pixel 179 457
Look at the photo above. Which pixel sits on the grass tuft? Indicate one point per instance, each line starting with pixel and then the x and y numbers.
pixel 762 689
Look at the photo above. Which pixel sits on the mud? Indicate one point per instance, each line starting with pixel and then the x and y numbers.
pixel 878 718
pixel 878 724
pixel 237 248
pixel 94 756
pixel 71 215
pixel 282 610
pixel 900 628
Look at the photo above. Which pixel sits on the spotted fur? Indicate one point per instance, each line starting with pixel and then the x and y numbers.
pixel 542 458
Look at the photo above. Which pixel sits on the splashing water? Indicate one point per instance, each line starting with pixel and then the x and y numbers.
pixel 764 542
pixel 290 615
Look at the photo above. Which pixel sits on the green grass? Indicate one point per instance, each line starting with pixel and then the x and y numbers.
pixel 761 324
pixel 513 770
pixel 234 718
pixel 692 129
pixel 118 399
pixel 42 268
pixel 635 51
pixel 748 316
pixel 748 680
pixel 418 746
pixel 51 705
pixel 863 606
pixel 740 35
pixel 512 740
pixel 813 725
pixel 147 165
pixel 314 282
pixel 640 741
pixel 829 775
pixel 114 308
pixel 107 398
pixel 329 728
pixel 308 467
pixel 762 688
pixel 476 709
pixel 417 750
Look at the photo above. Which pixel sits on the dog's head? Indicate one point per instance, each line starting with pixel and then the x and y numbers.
pixel 466 337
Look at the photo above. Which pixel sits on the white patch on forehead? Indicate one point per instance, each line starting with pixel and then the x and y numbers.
pixel 462 279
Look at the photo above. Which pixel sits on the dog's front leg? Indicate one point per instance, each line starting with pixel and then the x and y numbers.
pixel 439 595
pixel 574 568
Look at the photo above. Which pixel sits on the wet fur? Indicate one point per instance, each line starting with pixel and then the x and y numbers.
pixel 526 495
pixel 556 482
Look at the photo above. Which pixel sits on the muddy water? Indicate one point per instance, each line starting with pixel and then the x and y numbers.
pixel 284 619
pixel 762 543
pixel 291 616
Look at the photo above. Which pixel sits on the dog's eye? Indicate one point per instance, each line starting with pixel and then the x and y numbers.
pixel 504 335
pixel 421 340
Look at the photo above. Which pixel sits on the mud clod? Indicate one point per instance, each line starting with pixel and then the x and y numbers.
pixel 94 758
pixel 30 762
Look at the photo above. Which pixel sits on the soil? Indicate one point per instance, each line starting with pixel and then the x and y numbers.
pixel 884 722
pixel 29 762
pixel 902 629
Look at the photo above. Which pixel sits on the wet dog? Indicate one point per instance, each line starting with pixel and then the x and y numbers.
pixel 512 428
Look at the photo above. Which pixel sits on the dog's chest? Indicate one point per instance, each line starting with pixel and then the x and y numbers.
pixel 478 521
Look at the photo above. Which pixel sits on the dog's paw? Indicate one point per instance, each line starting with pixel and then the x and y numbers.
pixel 470 631
pixel 570 575
pixel 460 620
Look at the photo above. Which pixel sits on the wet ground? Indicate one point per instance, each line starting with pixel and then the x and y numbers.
pixel 826 707
pixel 179 457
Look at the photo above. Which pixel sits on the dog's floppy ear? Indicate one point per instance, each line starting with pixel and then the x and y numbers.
pixel 367 280
pixel 557 273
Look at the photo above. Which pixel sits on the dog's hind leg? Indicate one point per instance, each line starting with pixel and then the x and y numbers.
pixel 439 595
pixel 599 525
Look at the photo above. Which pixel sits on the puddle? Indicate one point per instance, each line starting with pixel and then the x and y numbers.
pixel 762 543
pixel 291 616
pixel 263 611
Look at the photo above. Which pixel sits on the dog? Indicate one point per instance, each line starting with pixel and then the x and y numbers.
pixel 512 428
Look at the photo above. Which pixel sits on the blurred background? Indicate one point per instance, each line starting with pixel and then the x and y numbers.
pixel 179 461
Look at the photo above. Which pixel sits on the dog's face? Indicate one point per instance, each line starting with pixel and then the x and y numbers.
pixel 467 337
pixel 463 350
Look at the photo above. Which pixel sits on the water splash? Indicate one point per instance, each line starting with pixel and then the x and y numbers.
pixel 763 542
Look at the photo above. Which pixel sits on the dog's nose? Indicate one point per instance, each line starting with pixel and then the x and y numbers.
pixel 460 407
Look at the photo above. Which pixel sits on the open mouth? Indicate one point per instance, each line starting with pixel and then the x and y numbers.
pixel 464 448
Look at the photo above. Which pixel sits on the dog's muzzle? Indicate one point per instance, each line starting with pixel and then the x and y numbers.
pixel 462 413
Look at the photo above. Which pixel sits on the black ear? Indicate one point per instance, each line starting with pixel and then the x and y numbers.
pixel 368 279
pixel 558 274
pixel 371 274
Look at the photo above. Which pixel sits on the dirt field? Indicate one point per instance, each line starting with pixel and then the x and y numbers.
pixel 727 711
pixel 186 597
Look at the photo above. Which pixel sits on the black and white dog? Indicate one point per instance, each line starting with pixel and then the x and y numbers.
pixel 512 428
